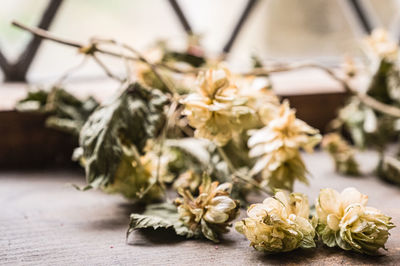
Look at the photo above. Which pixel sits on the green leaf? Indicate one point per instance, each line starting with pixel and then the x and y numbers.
pixel 383 81
pixel 389 169
pixel 34 101
pixel 66 112
pixel 256 61
pixel 191 59
pixel 198 149
pixel 118 129
pixel 164 215
pixel 202 156
pixel 208 232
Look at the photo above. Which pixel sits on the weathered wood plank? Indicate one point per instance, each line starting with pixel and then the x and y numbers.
pixel 44 221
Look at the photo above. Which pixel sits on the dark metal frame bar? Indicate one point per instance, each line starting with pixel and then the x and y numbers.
pixel 362 16
pixel 17 71
pixel 181 16
pixel 239 25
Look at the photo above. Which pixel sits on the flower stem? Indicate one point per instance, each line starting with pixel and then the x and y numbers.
pixel 364 98
pixel 240 176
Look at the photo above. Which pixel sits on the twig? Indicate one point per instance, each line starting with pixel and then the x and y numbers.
pixel 71 70
pixel 367 100
pixel 44 34
pixel 93 49
pixel 96 41
pixel 238 175
pixel 139 57
pixel 105 68
pixel 364 98
pixel 152 67
pixel 157 180
pixel 296 66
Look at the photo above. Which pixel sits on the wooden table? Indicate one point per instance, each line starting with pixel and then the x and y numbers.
pixel 45 221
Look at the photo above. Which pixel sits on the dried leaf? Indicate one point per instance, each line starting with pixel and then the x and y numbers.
pixel 125 123
pixel 191 59
pixel 164 215
pixel 389 169
pixel 66 112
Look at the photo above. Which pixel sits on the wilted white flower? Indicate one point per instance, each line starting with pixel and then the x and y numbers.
pixel 277 148
pixel 349 67
pixel 211 212
pixel 279 224
pixel 188 180
pixel 216 111
pixel 342 153
pixel 345 220
pixel 381 45
pixel 260 97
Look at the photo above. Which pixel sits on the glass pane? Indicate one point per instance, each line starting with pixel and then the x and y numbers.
pixel 13 40
pixel 386 12
pixel 277 29
pixel 138 23
pixel 289 29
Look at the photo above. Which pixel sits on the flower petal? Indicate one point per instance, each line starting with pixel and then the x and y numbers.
pixel 351 195
pixel 214 216
pixel 223 203
pixel 333 222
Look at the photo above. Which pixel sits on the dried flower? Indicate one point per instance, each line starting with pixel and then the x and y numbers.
pixel 211 212
pixel 349 67
pixel 342 153
pixel 216 110
pixel 259 97
pixel 381 45
pixel 345 221
pixel 134 176
pixel 279 224
pixel 277 148
pixel 138 174
pixel 188 180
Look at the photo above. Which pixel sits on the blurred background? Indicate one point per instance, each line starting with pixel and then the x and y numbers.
pixel 275 30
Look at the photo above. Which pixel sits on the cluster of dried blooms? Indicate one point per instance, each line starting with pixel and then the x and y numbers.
pixel 282 223
pixel 342 154
pixel 369 125
pixel 223 112
pixel 211 136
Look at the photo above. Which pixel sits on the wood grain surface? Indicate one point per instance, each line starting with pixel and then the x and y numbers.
pixel 44 221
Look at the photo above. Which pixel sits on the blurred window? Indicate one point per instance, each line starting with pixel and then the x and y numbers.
pixel 277 29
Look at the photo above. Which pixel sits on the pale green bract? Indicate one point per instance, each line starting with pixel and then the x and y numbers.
pixel 276 147
pixel 344 220
pixel 279 224
pixel 211 212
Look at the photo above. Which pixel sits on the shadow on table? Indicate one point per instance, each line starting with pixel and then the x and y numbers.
pixel 162 236
pixel 323 256
pixel 151 237
pixel 128 208
pixel 118 220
